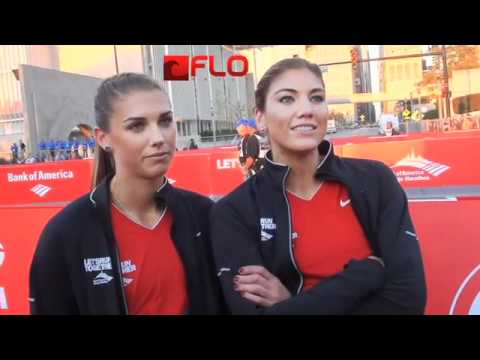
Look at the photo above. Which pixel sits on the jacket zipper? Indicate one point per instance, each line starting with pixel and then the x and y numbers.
pixel 119 269
pixel 292 258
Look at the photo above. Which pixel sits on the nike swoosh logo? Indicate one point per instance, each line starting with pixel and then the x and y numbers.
pixel 345 203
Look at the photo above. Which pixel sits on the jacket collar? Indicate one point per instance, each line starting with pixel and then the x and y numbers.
pixel 101 199
pixel 277 171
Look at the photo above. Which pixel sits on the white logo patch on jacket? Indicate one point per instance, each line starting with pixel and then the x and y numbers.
pixel 97 264
pixel 268 229
pixel 127 267
pixel 102 278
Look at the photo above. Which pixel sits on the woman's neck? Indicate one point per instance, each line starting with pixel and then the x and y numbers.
pixel 136 196
pixel 301 180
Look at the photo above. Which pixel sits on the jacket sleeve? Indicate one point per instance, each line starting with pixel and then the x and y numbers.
pixel 50 290
pixel 215 303
pixel 235 245
pixel 404 291
pixel 337 295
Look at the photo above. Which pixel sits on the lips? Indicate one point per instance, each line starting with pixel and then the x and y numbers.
pixel 157 155
pixel 304 127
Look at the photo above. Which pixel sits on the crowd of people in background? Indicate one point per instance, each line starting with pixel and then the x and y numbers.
pixel 51 150
pixel 454 123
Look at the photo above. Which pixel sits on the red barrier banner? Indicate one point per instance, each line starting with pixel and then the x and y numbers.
pixel 45 182
pixel 211 172
pixel 18 240
pixel 450 251
pixel 426 162
pixel 449 246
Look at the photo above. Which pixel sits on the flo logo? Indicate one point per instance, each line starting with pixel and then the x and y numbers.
pixel 175 67
pixel 180 67
pixel 467 297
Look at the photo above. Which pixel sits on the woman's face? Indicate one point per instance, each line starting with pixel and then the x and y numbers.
pixel 295 113
pixel 142 134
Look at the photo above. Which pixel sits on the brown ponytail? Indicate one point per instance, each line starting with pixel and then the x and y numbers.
pixel 103 165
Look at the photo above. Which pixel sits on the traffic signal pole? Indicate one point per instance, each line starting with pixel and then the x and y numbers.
pixel 445 87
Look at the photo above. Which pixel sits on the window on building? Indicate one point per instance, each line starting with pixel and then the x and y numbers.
pixel 392 72
pixel 399 72
pixel 407 71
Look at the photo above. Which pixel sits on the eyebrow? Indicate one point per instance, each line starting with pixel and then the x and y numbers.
pixel 141 118
pixel 295 91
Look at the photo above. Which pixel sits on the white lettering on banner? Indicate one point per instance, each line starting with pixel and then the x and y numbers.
pixel 40 175
pixel 17 178
pixel 55 176
pixel 2 255
pixel 227 164
pixel 3 299
pixel 97 264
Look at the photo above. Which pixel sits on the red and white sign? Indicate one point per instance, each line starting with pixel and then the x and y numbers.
pixel 425 162
pixel 467 297
pixel 45 183
pixel 414 168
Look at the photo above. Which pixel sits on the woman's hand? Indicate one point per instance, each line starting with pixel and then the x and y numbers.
pixel 257 284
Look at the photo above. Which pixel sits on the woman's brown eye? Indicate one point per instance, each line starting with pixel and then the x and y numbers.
pixel 166 121
pixel 317 98
pixel 135 127
pixel 286 99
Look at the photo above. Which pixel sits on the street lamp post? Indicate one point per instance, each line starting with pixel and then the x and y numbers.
pixel 116 58
pixel 445 79
pixel 210 98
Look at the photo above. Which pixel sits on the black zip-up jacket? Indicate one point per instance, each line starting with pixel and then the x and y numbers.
pixel 78 244
pixel 252 226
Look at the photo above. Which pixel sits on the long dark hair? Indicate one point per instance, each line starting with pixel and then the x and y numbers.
pixel 107 93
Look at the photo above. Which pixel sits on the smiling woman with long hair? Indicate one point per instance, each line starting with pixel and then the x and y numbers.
pixel 314 233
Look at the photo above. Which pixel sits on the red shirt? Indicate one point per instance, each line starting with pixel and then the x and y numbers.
pixel 328 233
pixel 153 274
